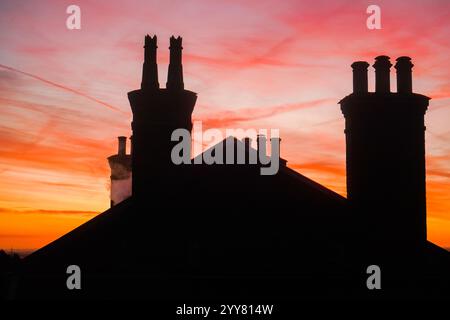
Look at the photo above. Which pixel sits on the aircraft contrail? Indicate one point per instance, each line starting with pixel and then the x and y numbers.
pixel 64 88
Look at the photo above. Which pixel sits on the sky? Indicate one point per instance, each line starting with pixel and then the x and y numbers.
pixel 254 64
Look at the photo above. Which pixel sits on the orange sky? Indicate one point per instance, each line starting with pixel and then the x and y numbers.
pixel 254 64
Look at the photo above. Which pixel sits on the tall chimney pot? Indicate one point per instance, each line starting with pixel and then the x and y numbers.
pixel 122 145
pixel 404 74
pixel 360 82
pixel 382 67
pixel 175 73
pixel 150 68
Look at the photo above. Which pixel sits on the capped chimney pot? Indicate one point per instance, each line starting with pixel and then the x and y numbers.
pixel 382 67
pixel 360 82
pixel 122 145
pixel 404 74
pixel 150 68
pixel 175 73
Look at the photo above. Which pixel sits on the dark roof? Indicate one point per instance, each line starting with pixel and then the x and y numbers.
pixel 296 234
pixel 85 236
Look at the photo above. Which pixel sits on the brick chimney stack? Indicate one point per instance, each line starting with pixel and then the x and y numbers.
pixel 385 144
pixel 157 112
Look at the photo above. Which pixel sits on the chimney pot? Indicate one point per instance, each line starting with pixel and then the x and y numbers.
pixel 382 67
pixel 175 73
pixel 122 145
pixel 404 74
pixel 360 82
pixel 150 68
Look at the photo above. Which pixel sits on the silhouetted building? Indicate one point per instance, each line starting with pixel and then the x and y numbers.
pixel 120 165
pixel 221 231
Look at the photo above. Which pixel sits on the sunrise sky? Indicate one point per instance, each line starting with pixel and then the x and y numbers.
pixel 254 64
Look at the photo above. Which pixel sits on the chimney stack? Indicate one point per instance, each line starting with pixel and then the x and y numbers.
pixel 122 145
pixel 385 151
pixel 150 69
pixel 120 165
pixel 404 74
pixel 360 83
pixel 156 114
pixel 382 67
pixel 175 74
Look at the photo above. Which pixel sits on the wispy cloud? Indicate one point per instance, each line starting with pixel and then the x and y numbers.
pixel 224 119
pixel 63 87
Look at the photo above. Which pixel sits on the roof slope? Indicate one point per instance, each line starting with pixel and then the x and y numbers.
pixel 223 223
